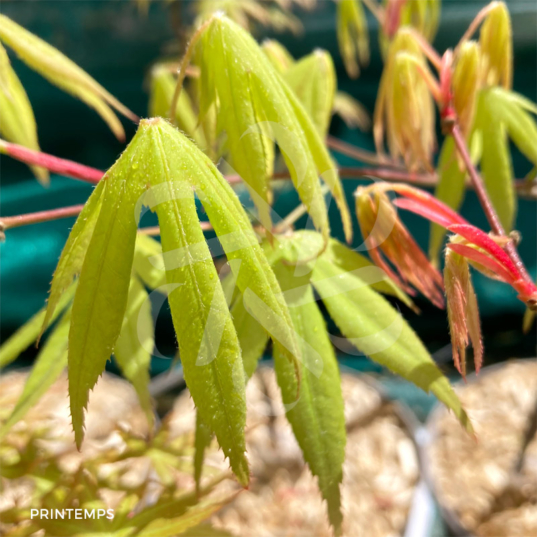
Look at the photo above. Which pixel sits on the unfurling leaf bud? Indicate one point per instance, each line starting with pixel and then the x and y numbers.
pixel 278 55
pixel 463 313
pixel 465 84
pixel 389 241
pixel 496 40
pixel 352 35
pixel 404 111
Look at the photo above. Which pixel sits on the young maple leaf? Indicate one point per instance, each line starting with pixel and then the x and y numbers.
pixel 463 313
pixel 164 170
pixel 468 245
pixel 385 235
pixel 64 73
pixel 404 111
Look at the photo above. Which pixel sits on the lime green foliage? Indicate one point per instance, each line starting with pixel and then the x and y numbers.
pixel 148 262
pixel 62 72
pixel 352 112
pixel 348 284
pixel 316 88
pixel 317 415
pixel 279 56
pixel 17 122
pixel 375 328
pixel 404 110
pixel 252 336
pixel 352 35
pixel 135 344
pixel 466 83
pixel 160 99
pixel 208 344
pixel 49 365
pixel 313 79
pixel 423 16
pixel 162 169
pixel 512 109
pixel 496 42
pixel 101 296
pixel 256 102
pixel 450 189
pixel 496 166
pixel 74 251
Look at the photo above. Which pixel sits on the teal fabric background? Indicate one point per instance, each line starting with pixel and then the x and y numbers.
pixel 116 45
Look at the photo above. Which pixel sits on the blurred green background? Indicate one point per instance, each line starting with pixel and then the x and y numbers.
pixel 113 42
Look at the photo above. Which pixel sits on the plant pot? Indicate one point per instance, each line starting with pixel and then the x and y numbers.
pixel 381 471
pixel 488 486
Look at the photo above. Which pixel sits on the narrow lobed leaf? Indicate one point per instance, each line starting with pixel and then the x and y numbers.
pixel 450 190
pixel 255 102
pixel 313 79
pixel 496 166
pixel 352 35
pixel 375 328
pixel 17 121
pixel 102 292
pixel 134 345
pixel 74 251
pixel 62 72
pixel 208 345
pixel 317 416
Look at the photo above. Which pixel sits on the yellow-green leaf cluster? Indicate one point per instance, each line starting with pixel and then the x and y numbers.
pixel 466 84
pixel 255 103
pixel 162 86
pixel 404 111
pixel 352 35
pixel 349 286
pixel 496 41
pixel 247 13
pixel 164 170
pixel 313 79
pixel 62 72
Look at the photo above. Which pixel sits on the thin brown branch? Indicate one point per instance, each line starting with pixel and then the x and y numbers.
pixel 8 222
pixel 359 154
pixel 185 62
pixel 154 231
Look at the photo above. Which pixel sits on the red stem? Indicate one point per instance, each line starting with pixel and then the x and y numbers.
pixel 485 202
pixel 52 163
pixel 390 172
